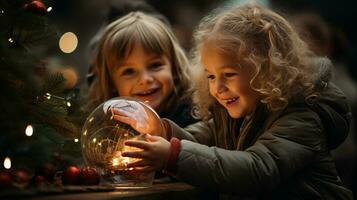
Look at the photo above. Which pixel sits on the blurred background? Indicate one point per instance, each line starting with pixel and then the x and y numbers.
pixel 331 24
pixel 328 26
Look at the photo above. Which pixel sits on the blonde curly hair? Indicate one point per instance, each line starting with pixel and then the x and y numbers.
pixel 116 43
pixel 262 37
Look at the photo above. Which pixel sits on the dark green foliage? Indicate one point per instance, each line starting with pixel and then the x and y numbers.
pixel 27 96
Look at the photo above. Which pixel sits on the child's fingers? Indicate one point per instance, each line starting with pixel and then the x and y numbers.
pixel 152 138
pixel 121 112
pixel 134 154
pixel 126 120
pixel 118 111
pixel 138 143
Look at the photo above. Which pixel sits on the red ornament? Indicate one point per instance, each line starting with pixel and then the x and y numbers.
pixel 21 178
pixel 71 175
pixel 36 7
pixel 89 176
pixel 5 179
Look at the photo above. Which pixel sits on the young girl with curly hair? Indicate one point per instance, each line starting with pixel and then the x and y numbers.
pixel 270 114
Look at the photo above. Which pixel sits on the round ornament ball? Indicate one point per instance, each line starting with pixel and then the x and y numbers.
pixel 36 7
pixel 21 178
pixel 5 179
pixel 71 175
pixel 89 176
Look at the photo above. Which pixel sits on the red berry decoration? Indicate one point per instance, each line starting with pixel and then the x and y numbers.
pixel 71 175
pixel 89 176
pixel 5 179
pixel 36 7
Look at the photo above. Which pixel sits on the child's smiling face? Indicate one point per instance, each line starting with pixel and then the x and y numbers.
pixel 145 76
pixel 229 82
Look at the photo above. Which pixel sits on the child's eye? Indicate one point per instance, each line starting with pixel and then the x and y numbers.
pixel 156 65
pixel 210 77
pixel 229 75
pixel 127 72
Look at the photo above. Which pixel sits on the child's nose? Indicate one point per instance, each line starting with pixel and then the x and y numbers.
pixel 146 77
pixel 220 86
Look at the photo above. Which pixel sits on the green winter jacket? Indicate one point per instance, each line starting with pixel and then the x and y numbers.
pixel 279 155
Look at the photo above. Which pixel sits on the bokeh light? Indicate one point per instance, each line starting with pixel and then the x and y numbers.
pixel 68 42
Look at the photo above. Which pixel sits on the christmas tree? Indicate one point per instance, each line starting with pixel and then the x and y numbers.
pixel 36 120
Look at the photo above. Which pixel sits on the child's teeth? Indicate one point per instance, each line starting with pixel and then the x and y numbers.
pixel 147 92
pixel 230 100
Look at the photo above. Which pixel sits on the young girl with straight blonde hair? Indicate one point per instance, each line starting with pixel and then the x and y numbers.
pixel 139 57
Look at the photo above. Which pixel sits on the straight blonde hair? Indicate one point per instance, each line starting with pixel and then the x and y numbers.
pixel 117 42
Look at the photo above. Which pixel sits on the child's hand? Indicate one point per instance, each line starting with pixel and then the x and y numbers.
pixel 139 120
pixel 154 155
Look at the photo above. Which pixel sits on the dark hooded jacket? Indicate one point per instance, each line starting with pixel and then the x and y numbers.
pixel 271 155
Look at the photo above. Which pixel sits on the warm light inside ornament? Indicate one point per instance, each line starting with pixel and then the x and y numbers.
pixel 7 163
pixel 103 143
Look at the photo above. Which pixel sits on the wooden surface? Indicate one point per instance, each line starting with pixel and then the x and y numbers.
pixel 171 191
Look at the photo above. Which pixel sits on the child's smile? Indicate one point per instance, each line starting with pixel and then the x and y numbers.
pixel 148 92
pixel 228 81
pixel 149 95
pixel 231 101
pixel 145 76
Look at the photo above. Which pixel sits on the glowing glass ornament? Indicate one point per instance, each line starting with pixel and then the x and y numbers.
pixel 103 138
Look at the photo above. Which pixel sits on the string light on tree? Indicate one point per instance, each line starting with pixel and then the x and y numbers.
pixel 65 100
pixel 10 40
pixel 7 163
pixel 29 130
pixel 49 9
pixel 48 96
pixel 76 140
